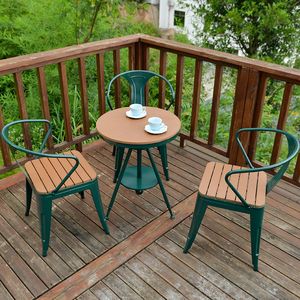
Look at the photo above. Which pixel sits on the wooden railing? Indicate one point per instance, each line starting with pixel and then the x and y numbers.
pixel 250 90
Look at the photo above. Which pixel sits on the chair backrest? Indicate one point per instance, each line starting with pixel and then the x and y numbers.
pixel 39 153
pixel 137 80
pixel 293 149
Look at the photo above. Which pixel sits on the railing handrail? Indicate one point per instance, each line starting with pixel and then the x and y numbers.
pixel 28 61
pixel 34 60
pixel 222 57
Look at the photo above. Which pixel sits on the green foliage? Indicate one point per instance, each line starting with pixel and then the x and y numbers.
pixel 268 30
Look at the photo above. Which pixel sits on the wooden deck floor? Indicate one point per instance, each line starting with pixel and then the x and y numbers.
pixel 142 258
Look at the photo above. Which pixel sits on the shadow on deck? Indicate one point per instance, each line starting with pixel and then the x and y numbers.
pixel 142 258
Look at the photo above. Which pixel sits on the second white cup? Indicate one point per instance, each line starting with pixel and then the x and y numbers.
pixel 155 123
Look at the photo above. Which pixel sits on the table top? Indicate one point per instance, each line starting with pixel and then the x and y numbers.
pixel 116 127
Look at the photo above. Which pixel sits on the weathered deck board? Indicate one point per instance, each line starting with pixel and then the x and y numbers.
pixel 218 265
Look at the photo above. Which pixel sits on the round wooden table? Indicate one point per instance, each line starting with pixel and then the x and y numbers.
pixel 116 128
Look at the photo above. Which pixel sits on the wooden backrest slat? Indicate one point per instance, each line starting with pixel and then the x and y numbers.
pixel 85 165
pixel 3 146
pixel 65 100
pixel 242 186
pixel 261 189
pixel 44 101
pixel 223 187
pixel 234 179
pixel 117 70
pixel 215 180
pixel 259 103
pixel 206 178
pixel 215 105
pixel 101 82
pixel 22 109
pixel 179 85
pixel 84 96
pixel 43 173
pixel 252 187
pixel 162 84
pixel 286 100
pixel 34 177
pixel 53 173
pixel 196 98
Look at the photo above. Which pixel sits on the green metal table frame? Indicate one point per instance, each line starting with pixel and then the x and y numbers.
pixel 139 177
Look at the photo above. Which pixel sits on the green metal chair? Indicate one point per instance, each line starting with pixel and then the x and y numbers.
pixel 137 80
pixel 240 189
pixel 53 176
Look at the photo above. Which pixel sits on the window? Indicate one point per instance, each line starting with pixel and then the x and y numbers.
pixel 179 17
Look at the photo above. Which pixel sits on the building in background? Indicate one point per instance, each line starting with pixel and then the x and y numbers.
pixel 170 16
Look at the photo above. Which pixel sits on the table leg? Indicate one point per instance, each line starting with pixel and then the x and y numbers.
pixel 113 198
pixel 139 168
pixel 160 183
pixel 118 161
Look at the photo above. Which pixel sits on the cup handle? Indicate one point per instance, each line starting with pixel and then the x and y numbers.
pixel 144 108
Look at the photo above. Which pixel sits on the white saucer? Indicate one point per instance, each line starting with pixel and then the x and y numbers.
pixel 130 115
pixel 163 129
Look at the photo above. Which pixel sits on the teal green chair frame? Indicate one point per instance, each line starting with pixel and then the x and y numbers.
pixel 137 80
pixel 44 201
pixel 256 214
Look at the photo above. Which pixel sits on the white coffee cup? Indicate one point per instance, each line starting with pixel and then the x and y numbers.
pixel 136 109
pixel 155 123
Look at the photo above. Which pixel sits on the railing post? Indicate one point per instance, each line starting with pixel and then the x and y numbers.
pixel 243 111
pixel 138 56
pixel 3 146
pixel 101 82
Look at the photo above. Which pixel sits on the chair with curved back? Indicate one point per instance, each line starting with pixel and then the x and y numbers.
pixel 138 80
pixel 52 176
pixel 240 189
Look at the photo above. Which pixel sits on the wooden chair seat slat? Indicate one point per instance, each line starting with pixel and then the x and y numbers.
pixel 234 179
pixel 43 174
pixel 85 171
pixel 243 185
pixel 51 171
pixel 206 178
pixel 215 180
pixel 47 173
pixel 34 177
pixel 67 165
pixel 223 187
pixel 252 186
pixel 261 189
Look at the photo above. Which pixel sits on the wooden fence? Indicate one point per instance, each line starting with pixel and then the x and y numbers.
pixel 250 90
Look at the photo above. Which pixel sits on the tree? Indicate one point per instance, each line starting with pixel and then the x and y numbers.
pixel 264 29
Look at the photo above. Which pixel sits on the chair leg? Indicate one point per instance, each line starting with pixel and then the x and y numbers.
pixel 256 220
pixel 164 160
pixel 198 215
pixel 45 208
pixel 98 204
pixel 28 197
pixel 81 194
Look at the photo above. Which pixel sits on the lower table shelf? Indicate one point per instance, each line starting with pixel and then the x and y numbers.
pixel 131 181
